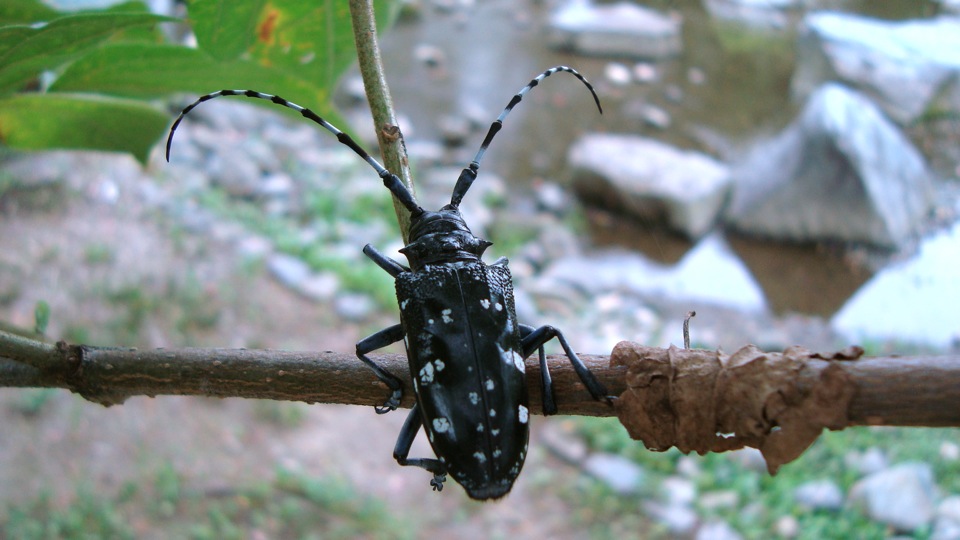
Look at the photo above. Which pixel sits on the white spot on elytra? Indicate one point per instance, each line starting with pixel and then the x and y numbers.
pixel 492 413
pixel 496 453
pixel 518 361
pixel 441 425
pixel 524 414
pixel 426 373
pixel 403 305
pixel 474 398
pixel 485 303
pixel 494 432
pixel 480 428
pixel 429 321
pixel 439 364
pixel 446 316
pixel 498 306
pixel 480 457
pixel 490 384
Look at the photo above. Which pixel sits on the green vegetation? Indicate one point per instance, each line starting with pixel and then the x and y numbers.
pixel 291 506
pixel 87 79
pixel 762 499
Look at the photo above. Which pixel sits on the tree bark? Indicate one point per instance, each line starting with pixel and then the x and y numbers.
pixel 892 391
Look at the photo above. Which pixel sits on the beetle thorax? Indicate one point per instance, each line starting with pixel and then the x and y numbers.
pixel 441 237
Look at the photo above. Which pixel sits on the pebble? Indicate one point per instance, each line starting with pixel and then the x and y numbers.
pixel 717 530
pixel 620 474
pixel 902 496
pixel 819 495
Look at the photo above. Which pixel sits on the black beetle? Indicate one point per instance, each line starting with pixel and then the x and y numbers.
pixel 465 347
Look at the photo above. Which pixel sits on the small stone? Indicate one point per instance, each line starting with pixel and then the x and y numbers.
pixel 901 496
pixel 617 73
pixel 716 500
pixel 717 530
pixel 619 473
pixel 561 440
pixel 645 73
pixel 787 527
pixel 949 451
pixel 819 495
pixel 678 490
pixel 288 270
pixel 679 520
pixel 354 307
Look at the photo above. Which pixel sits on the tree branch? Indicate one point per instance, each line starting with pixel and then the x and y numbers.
pixel 893 391
pixel 392 147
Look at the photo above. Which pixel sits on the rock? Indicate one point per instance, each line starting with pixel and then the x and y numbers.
pixel 712 501
pixel 561 439
pixel 717 530
pixel 619 473
pixel 758 14
pixel 650 181
pixel 902 496
pixel 867 462
pixel 819 495
pixel 289 270
pixel 678 491
pixel 679 520
pixel 354 306
pixel 621 29
pixel 787 527
pixel 617 73
pixel 908 67
pixel 841 171
pixel 946 526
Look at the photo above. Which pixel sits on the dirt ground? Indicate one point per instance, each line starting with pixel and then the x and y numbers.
pixel 84 237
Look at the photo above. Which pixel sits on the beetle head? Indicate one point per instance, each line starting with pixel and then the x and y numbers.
pixel 441 237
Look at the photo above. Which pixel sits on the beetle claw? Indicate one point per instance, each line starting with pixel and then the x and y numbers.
pixel 391 404
pixel 438 480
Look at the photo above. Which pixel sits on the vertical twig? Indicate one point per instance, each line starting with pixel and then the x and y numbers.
pixel 392 147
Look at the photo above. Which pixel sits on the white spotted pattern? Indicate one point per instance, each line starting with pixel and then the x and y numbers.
pixel 498 306
pixel 426 373
pixel 474 398
pixel 492 413
pixel 490 384
pixel 485 303
pixel 441 425
pixel 446 316
pixel 524 414
pixel 439 364
pixel 518 361
pixel 481 457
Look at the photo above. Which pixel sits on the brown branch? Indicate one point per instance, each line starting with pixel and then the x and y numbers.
pixel 108 375
pixel 915 391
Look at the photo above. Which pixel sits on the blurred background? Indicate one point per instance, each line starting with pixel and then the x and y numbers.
pixel 788 169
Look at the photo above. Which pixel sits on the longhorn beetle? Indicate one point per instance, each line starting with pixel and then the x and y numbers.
pixel 465 347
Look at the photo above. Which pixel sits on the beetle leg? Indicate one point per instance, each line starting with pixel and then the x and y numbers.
pixel 391 266
pixel 539 336
pixel 380 340
pixel 546 382
pixel 409 432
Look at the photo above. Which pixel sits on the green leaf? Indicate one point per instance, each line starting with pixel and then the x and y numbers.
pixel 47 121
pixel 25 11
pixel 140 70
pixel 225 29
pixel 41 317
pixel 27 52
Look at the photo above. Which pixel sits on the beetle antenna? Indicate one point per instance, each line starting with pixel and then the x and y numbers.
pixel 390 180
pixel 469 174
